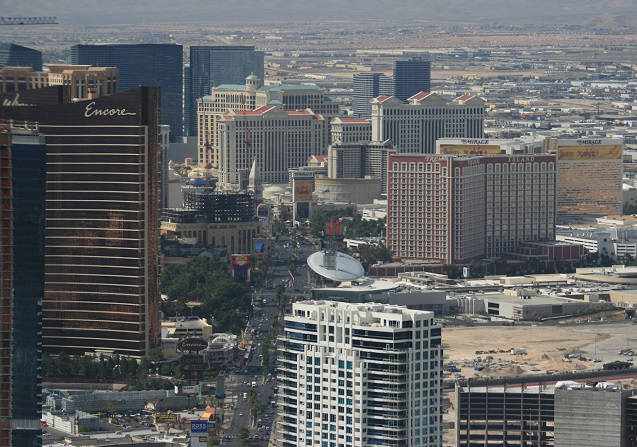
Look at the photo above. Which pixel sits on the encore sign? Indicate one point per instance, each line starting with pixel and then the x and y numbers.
pixel 92 111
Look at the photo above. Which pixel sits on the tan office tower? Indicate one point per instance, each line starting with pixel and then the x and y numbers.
pixel 231 97
pixel 415 125
pixel 590 175
pixel 84 81
pixel 452 210
pixel 277 139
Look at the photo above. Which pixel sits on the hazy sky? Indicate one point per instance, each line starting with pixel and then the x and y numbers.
pixel 149 11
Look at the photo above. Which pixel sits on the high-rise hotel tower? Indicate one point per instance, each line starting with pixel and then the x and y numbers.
pixel 102 222
pixel 359 375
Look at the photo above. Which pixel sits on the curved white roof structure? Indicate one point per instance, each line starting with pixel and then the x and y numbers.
pixel 346 268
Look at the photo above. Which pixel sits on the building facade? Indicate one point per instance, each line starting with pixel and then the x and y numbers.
pixel 593 418
pixel 277 139
pixel 225 221
pixel 212 66
pixel 411 76
pixel 583 165
pixel 566 414
pixel 102 221
pixel 512 416
pixel 368 86
pixel 147 65
pixel 12 55
pixel 210 111
pixel 345 130
pixel 19 79
pixel 414 125
pixel 22 217
pixel 451 210
pixel 85 82
pixel 348 161
pixel 231 97
pixel 359 375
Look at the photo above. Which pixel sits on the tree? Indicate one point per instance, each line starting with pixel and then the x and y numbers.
pixel 371 254
pixel 207 280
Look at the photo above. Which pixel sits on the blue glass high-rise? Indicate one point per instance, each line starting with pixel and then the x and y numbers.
pixel 23 167
pixel 411 76
pixel 12 55
pixel 147 65
pixel 211 66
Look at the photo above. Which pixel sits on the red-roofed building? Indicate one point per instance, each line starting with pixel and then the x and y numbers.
pixel 278 140
pixel 414 125
pixel 317 161
pixel 344 130
pixel 419 96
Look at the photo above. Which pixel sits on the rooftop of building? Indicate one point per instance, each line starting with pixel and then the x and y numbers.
pixel 229 87
pixel 363 285
pixel 283 88
pixel 345 268
pixel 525 300
pixel 364 313
pixel 270 108
pixel 351 120
pixel 430 98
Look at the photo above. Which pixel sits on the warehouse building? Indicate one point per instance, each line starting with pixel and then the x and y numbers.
pixel 524 305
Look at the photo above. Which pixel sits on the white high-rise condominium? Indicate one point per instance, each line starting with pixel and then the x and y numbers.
pixel 354 375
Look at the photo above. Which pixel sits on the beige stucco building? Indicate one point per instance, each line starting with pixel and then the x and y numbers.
pixel 85 81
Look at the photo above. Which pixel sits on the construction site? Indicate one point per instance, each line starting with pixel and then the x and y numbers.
pixel 496 351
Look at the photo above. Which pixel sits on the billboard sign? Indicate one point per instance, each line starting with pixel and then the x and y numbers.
pixel 198 433
pixel 590 152
pixel 192 344
pixel 469 146
pixel 302 190
pixel 239 260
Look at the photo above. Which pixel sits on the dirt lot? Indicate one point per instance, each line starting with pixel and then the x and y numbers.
pixel 545 347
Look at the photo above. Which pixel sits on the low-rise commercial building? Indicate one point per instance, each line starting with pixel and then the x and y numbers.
pixel 222 350
pixel 524 305
pixel 120 401
pixel 213 219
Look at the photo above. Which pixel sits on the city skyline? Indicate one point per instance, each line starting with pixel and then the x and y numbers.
pixel 336 224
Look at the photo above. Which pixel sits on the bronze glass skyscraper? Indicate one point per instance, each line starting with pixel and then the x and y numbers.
pixel 102 200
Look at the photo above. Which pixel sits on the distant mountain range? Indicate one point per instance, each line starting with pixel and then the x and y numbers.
pixel 170 11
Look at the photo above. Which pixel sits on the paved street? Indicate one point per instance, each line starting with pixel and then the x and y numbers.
pixel 240 381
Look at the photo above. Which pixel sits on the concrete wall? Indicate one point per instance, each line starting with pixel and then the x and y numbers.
pixel 591 418
pixel 432 301
pixel 348 190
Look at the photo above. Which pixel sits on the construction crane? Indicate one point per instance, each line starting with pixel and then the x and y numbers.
pixel 50 20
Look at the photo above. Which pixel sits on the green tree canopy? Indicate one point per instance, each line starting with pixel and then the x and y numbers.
pixel 208 281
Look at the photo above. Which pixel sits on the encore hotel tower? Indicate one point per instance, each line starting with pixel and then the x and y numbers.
pixel 102 230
